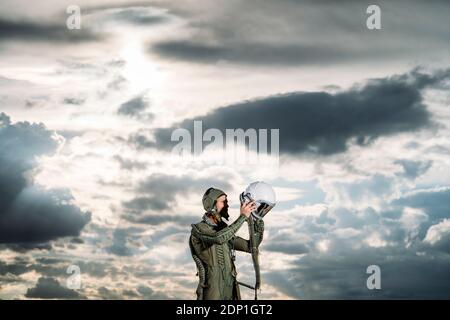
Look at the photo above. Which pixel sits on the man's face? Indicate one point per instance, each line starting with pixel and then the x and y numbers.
pixel 222 205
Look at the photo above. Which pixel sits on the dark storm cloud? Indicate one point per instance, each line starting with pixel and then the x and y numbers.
pixel 411 268
pixel 310 33
pixel 49 260
pixel 151 273
pixel 40 215
pixel 286 247
pixel 150 294
pixel 134 107
pixel 160 191
pixel 9 278
pixel 432 206
pixel 17 268
pixel 119 246
pixel 97 269
pixel 22 30
pixel 324 123
pixel 282 282
pixel 141 141
pixel 56 267
pixel 138 16
pixel 49 288
pixel 109 294
pixel 25 247
pixel 436 203
pixel 77 240
pixel 142 292
pixel 404 275
pixel 29 213
pixel 50 269
pixel 145 203
pixel 251 53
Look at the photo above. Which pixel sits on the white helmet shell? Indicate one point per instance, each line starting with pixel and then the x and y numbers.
pixel 263 195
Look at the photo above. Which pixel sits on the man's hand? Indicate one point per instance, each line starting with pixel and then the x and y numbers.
pixel 247 208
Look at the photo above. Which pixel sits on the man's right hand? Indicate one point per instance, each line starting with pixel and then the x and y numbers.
pixel 247 208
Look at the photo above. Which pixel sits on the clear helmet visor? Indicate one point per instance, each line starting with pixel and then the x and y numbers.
pixel 262 207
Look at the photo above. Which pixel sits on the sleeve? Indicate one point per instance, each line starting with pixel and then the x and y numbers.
pixel 219 237
pixel 259 231
pixel 241 244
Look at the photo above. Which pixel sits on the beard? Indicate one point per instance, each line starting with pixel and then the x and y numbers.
pixel 224 213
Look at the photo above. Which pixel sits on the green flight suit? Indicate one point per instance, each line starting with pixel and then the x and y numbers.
pixel 214 245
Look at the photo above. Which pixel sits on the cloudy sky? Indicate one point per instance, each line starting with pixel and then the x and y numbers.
pixel 88 181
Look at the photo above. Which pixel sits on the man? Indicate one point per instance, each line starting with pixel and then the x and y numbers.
pixel 213 242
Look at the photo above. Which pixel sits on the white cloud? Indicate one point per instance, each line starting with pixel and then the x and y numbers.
pixel 375 240
pixel 412 218
pixel 438 233
pixel 323 245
